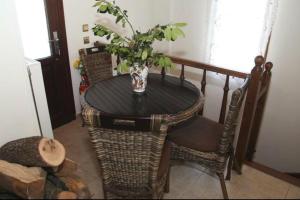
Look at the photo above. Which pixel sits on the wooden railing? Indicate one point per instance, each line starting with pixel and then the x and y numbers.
pixel 206 67
pixel 254 103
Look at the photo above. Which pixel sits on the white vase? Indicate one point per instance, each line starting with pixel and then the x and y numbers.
pixel 139 76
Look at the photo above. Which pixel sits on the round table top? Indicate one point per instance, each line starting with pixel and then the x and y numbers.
pixel 163 96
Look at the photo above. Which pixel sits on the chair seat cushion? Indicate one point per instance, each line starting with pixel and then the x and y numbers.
pixel 165 160
pixel 200 134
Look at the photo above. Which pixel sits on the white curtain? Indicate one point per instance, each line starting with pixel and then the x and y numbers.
pixel 239 31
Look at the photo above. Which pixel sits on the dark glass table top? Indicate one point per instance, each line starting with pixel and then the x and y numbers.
pixel 163 96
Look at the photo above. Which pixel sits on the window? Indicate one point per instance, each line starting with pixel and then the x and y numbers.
pixel 240 31
pixel 34 29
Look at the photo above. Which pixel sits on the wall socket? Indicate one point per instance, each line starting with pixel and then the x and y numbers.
pixel 86 40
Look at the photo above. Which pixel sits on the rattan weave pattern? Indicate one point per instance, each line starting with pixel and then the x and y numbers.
pixel 216 161
pixel 129 160
pixel 98 65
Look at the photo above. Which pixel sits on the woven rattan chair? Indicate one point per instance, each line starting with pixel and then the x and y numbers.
pixel 207 142
pixel 98 65
pixel 97 62
pixel 134 163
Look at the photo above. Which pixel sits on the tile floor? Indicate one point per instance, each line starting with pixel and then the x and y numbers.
pixel 187 181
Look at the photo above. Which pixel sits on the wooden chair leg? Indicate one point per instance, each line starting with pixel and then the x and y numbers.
pixel 230 162
pixel 223 186
pixel 236 166
pixel 167 185
pixel 201 112
pixel 82 121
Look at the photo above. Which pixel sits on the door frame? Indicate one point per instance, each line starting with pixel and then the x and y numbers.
pixel 59 17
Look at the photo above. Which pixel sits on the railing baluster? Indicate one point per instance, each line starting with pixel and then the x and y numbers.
pixel 203 82
pixel 163 72
pixel 203 85
pixel 118 60
pixel 224 101
pixel 182 73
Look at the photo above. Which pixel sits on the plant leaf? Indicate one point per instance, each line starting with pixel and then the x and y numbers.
pixel 181 24
pixel 98 3
pixel 144 55
pixel 100 33
pixel 119 18
pixel 161 62
pixel 178 32
pixel 123 67
pixel 168 33
pixel 173 34
pixel 103 8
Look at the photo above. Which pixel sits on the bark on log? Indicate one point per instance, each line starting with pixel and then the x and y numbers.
pixel 34 151
pixel 67 168
pixel 8 195
pixel 23 181
pixel 4 194
pixel 54 192
pixel 76 185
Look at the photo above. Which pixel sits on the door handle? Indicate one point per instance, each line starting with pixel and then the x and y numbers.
pixel 55 42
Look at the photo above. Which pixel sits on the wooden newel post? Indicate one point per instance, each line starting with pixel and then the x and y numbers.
pixel 249 111
pixel 261 102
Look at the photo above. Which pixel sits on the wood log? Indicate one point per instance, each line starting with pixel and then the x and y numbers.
pixel 23 181
pixel 2 190
pixel 34 151
pixel 54 192
pixel 8 195
pixel 66 195
pixel 4 194
pixel 76 185
pixel 67 168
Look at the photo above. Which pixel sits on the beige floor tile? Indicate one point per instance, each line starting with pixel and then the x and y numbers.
pixel 187 180
pixel 293 192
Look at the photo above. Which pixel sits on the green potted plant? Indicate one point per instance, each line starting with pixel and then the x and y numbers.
pixel 136 52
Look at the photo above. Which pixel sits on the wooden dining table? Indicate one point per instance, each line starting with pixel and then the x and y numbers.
pixel 174 99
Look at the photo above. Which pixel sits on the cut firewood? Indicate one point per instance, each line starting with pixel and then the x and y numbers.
pixel 66 195
pixel 76 185
pixel 67 168
pixel 2 190
pixel 54 192
pixel 34 151
pixel 57 182
pixel 8 195
pixel 26 182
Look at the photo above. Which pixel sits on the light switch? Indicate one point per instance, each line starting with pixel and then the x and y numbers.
pixel 85 27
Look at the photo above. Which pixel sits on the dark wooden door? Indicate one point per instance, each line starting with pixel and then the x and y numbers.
pixel 56 68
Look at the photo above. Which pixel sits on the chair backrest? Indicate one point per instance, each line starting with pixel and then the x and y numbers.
pixel 129 159
pixel 98 64
pixel 231 120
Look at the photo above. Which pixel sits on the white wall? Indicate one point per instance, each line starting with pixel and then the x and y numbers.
pixel 196 14
pixel 279 142
pixel 17 115
pixel 79 12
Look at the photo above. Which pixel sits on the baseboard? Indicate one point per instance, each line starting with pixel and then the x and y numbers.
pixel 293 174
pixel 277 174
